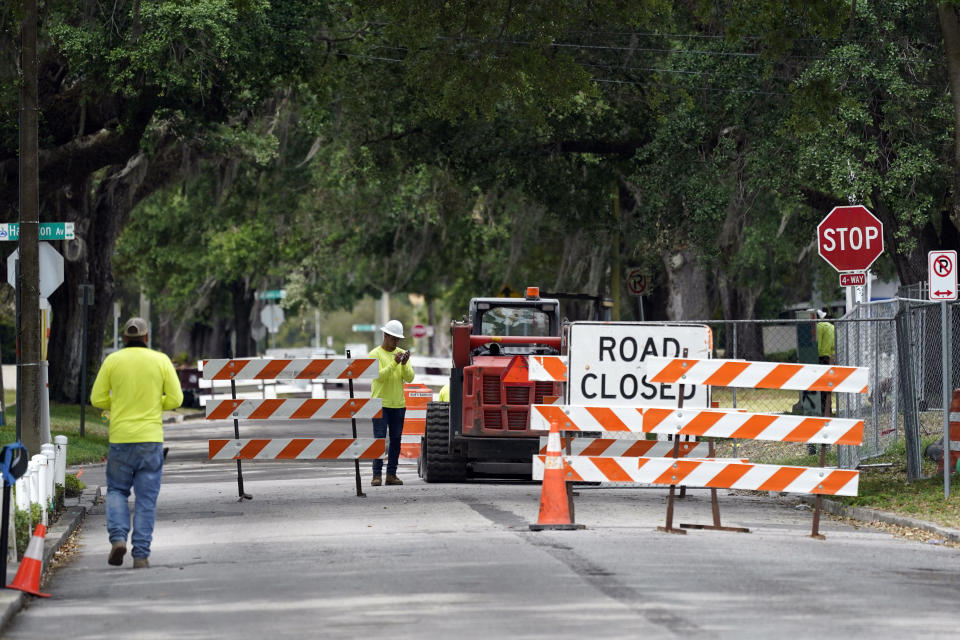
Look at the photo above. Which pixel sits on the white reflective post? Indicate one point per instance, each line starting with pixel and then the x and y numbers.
pixel 47 449
pixel 41 483
pixel 22 489
pixel 60 474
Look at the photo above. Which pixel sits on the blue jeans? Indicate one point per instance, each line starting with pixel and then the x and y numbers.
pixel 393 420
pixel 138 465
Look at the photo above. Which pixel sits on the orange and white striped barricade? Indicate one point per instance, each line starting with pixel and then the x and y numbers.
pixel 547 368
pixel 619 448
pixel 291 369
pixel 766 375
pixel 716 473
pixel 295 409
pixel 712 423
pixel 593 462
pixel 298 449
pixel 234 369
pixel 416 398
pixel 757 375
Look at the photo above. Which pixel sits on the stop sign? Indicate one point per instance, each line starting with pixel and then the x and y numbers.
pixel 419 331
pixel 850 238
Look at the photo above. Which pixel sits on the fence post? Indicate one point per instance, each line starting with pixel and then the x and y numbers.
pixel 911 422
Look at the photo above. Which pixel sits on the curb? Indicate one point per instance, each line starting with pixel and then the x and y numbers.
pixel 875 515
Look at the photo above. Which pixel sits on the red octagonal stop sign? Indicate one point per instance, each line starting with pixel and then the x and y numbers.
pixel 850 238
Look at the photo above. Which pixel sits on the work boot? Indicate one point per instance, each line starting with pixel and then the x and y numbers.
pixel 377 481
pixel 392 479
pixel 117 552
pixel 141 563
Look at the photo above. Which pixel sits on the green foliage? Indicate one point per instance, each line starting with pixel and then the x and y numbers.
pixel 341 149
pixel 73 487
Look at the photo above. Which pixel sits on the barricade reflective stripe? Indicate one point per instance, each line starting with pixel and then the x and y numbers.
pixel 730 423
pixel 548 368
pixel 297 449
pixel 295 409
pixel 718 474
pixel 612 447
pixel 291 369
pixel 954 416
pixel 757 375
pixel 586 418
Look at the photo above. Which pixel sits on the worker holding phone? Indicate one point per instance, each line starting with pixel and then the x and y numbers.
pixel 395 370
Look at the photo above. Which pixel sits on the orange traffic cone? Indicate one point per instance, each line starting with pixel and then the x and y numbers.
pixel 954 437
pixel 555 501
pixel 28 575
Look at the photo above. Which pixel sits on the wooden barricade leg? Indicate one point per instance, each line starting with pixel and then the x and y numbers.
pixel 818 501
pixel 669 528
pixel 715 507
pixel 236 434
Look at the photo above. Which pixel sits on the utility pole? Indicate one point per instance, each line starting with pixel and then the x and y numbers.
pixel 28 286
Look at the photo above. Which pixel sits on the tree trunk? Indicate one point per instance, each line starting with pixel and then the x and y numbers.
pixel 687 286
pixel 740 303
pixel 243 303
pixel 950 28
pixel 99 218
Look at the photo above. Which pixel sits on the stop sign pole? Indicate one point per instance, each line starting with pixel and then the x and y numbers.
pixel 850 239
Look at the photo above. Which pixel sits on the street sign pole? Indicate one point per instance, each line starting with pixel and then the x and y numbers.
pixel 946 353
pixel 942 283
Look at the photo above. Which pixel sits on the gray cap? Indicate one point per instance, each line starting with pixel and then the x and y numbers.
pixel 135 328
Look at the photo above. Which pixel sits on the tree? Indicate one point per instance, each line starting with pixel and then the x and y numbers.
pixel 123 94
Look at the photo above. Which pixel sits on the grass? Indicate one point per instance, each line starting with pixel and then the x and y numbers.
pixel 65 421
pixel 886 488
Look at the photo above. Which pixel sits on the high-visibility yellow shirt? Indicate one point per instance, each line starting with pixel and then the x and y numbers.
pixel 826 339
pixel 136 385
pixel 388 386
pixel 444 393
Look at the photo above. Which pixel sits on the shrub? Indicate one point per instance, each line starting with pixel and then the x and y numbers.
pixel 72 486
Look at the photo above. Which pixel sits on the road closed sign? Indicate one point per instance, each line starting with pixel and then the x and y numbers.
pixel 605 363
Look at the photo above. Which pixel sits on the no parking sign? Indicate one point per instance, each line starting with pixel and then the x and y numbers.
pixel 942 274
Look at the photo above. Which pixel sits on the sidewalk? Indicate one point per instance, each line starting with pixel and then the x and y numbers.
pixel 94 477
pixel 12 600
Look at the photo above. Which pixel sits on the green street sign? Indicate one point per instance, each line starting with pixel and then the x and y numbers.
pixel 359 328
pixel 48 231
pixel 273 294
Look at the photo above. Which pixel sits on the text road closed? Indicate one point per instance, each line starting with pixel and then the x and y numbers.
pixel 605 363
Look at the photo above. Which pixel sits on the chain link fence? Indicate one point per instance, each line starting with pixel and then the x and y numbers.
pixel 903 402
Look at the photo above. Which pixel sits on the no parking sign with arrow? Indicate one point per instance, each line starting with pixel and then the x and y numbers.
pixel 942 274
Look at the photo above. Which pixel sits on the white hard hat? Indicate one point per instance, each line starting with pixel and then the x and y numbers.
pixel 393 328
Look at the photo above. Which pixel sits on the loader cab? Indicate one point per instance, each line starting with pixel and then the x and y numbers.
pixel 516 317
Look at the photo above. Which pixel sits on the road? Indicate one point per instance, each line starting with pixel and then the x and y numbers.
pixel 307 558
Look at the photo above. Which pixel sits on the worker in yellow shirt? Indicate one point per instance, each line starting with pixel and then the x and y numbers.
pixel 826 350
pixel 136 384
pixel 395 370
pixel 444 393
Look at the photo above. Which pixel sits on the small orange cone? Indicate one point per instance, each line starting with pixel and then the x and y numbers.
pixel 555 501
pixel 28 575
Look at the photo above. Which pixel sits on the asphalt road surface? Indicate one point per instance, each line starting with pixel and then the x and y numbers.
pixel 306 558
